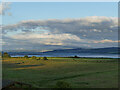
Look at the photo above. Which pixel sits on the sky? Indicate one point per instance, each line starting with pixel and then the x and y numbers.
pixel 52 25
pixel 41 10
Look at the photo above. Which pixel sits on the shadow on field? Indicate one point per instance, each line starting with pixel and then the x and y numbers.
pixel 19 65
pixel 29 65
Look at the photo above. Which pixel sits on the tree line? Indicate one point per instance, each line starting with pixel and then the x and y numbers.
pixel 6 55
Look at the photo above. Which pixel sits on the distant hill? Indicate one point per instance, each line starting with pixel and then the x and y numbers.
pixel 109 50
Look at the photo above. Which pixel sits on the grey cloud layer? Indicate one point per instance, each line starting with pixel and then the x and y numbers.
pixel 92 27
pixel 90 31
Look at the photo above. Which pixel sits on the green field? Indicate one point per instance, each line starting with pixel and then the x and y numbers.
pixel 77 72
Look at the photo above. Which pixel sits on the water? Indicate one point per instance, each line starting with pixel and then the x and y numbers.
pixel 72 54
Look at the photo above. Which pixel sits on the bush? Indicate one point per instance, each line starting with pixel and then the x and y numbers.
pixel 45 58
pixel 26 56
pixel 76 56
pixel 33 57
pixel 0 54
pixel 38 58
pixel 62 84
pixel 6 55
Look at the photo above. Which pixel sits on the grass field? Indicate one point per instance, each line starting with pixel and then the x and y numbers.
pixel 79 73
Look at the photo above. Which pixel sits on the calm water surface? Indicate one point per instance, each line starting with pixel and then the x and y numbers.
pixel 72 54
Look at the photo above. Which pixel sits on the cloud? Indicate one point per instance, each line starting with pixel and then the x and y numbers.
pixel 56 39
pixel 4 6
pixel 95 31
pixel 106 41
pixel 46 38
pixel 50 41
pixel 93 27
